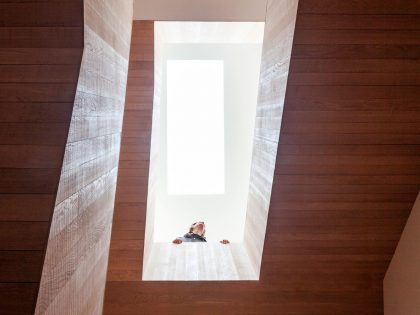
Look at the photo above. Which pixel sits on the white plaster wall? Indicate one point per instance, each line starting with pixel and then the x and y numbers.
pixel 200 10
pixel 198 262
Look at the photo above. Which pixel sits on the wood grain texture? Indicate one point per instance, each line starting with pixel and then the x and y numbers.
pixel 340 196
pixel 403 274
pixel 128 230
pixel 74 271
pixel 210 261
pixel 41 46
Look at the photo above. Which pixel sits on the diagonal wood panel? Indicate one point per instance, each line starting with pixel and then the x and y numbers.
pixel 347 172
pixel 74 271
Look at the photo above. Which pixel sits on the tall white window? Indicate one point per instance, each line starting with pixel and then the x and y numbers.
pixel 195 127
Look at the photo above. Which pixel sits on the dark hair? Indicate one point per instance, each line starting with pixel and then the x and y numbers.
pixel 204 229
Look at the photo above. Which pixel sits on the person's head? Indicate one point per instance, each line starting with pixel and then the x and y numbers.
pixel 198 228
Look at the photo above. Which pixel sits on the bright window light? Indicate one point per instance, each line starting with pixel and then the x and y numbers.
pixel 195 127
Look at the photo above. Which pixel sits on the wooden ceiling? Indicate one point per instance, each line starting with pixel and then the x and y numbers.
pixel 347 173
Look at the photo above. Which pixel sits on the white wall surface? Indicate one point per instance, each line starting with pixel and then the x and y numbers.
pixel 198 262
pixel 200 10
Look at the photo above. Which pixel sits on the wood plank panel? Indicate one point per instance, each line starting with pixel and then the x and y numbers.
pixel 356 7
pixel 18 298
pixel 35 112
pixel 336 150
pixel 40 13
pixel 341 193
pixel 36 92
pixel 41 46
pixel 132 185
pixel 26 207
pixel 41 37
pixel 39 73
pixel 21 236
pixel 29 267
pixel 363 22
pixel 357 51
pixel 74 272
pixel 40 56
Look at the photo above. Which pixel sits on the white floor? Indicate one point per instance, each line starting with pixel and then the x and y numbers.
pixel 198 262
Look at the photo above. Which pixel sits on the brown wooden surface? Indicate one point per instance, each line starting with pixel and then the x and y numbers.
pixel 403 274
pixel 128 232
pixel 348 164
pixel 41 46
pixel 74 272
pixel 347 174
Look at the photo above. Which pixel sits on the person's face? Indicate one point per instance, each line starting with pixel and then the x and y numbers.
pixel 198 228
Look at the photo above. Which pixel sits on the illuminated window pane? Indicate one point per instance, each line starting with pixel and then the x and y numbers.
pixel 195 127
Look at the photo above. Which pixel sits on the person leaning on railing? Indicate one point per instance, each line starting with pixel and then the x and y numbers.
pixel 196 234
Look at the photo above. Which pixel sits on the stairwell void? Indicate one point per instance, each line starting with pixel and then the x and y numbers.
pixel 203 152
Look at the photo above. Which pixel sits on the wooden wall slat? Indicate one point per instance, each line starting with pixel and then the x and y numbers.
pixel 33 133
pixel 28 181
pixel 28 269
pixel 360 51
pixel 41 37
pixel 30 156
pixel 26 207
pixel 40 14
pixel 22 236
pixel 36 92
pixel 39 73
pixel 35 112
pixel 18 298
pixel 356 7
pixel 357 37
pixel 362 22
pixel 40 56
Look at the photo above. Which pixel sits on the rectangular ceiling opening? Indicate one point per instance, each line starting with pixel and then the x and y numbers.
pixel 195 127
pixel 203 136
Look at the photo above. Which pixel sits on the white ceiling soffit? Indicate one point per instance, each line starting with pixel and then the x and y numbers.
pixel 200 10
pixel 210 32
